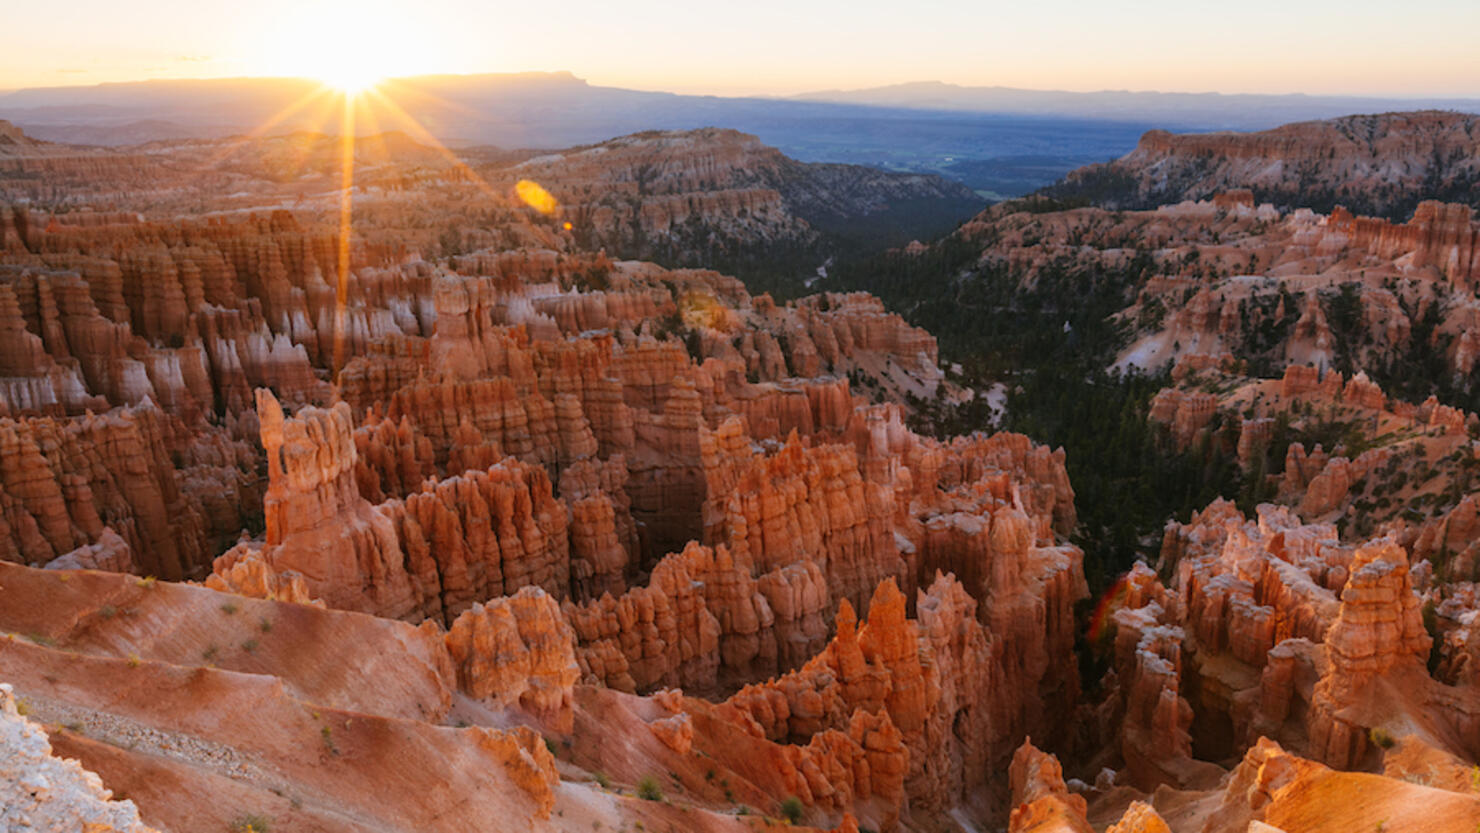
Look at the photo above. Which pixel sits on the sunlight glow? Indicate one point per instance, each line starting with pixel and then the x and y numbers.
pixel 350 80
pixel 350 46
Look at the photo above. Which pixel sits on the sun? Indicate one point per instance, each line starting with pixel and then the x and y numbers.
pixel 349 78
pixel 350 46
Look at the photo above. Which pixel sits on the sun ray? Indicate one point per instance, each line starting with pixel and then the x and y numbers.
pixel 360 109
pixel 404 88
pixel 376 148
pixel 272 121
pixel 346 215
pixel 422 135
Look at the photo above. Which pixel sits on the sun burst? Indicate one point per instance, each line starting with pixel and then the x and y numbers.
pixel 361 51
pixel 350 46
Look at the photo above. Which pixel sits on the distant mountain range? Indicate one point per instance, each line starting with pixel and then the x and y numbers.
pixel 1169 110
pixel 999 141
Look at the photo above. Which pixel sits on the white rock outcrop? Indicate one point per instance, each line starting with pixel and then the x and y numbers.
pixel 40 792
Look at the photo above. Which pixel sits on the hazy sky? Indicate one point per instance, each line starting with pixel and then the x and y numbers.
pixel 1418 48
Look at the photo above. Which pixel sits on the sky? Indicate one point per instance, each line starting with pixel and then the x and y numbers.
pixel 1423 48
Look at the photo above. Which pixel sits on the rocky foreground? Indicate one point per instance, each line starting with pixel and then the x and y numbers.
pixel 512 530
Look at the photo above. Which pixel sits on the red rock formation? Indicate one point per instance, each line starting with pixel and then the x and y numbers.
pixel 62 478
pixel 922 677
pixel 1299 379
pixel 702 623
pixel 1155 738
pixel 392 459
pixel 1363 393
pixel 318 525
pixel 803 505
pixel 1272 789
pixel 1378 628
pixel 1269 646
pixel 518 424
pixel 1141 817
pixel 517 650
pixel 481 535
pixel 1440 235
pixel 1184 414
pixel 110 553
pixel 604 539
pixel 1041 801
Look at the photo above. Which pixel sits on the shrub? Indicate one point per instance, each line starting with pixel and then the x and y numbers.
pixel 250 823
pixel 228 608
pixel 1380 737
pixel 648 789
pixel 791 808
pixel 601 779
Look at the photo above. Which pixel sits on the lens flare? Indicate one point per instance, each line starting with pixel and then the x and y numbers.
pixel 701 309
pixel 1103 616
pixel 535 196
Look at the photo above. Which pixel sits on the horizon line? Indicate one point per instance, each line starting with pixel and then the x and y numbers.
pixel 6 91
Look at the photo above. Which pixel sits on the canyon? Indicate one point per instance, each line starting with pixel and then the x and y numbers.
pixel 457 512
